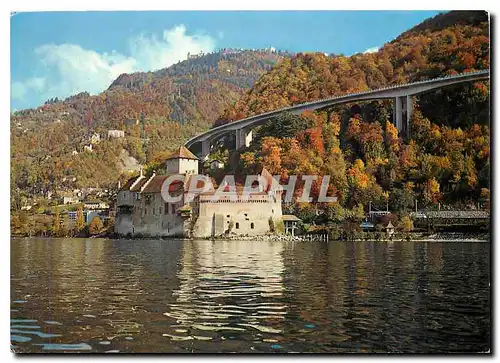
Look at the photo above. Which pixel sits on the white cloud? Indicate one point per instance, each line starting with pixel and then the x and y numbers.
pixel 154 54
pixel 371 50
pixel 67 69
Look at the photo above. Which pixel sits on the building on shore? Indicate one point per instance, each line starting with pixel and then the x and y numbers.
pixel 88 215
pixel 142 211
pixel 291 223
pixel 95 204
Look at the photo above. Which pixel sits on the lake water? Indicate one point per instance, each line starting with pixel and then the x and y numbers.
pixel 97 295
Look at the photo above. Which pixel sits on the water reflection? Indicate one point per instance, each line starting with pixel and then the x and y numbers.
pixel 201 296
pixel 228 291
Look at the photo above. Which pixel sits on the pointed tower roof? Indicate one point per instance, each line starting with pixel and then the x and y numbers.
pixel 182 153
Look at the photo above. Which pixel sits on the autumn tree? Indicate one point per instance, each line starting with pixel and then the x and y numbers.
pixel 95 226
pixel 485 198
pixel 80 220
pixel 431 191
pixel 406 224
pixel 271 154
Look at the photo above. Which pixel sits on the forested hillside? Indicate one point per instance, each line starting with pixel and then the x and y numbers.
pixel 157 110
pixel 447 159
pixel 449 43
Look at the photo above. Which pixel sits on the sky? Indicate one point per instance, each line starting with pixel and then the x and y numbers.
pixel 58 54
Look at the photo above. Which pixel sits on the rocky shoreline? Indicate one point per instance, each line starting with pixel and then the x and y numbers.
pixel 409 237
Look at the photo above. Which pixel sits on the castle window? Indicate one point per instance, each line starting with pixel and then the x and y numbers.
pixel 228 216
pixel 166 208
pixel 173 208
pixel 252 225
pixel 237 225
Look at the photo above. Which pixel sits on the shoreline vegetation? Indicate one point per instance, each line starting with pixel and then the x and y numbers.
pixel 365 237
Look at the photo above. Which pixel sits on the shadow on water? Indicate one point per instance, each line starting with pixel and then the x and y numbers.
pixel 78 295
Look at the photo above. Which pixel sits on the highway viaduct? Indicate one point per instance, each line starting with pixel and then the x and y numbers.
pixel 401 94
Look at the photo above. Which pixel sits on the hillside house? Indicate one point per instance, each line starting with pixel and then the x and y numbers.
pixel 115 134
pixel 95 138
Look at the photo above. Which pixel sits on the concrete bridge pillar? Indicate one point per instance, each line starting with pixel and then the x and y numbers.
pixel 205 149
pixel 409 111
pixel 403 105
pixel 243 138
pixel 398 113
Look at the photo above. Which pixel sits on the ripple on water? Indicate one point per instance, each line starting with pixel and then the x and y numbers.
pixel 34 332
pixel 178 337
pixel 51 322
pixel 24 327
pixel 19 338
pixel 23 321
pixel 79 346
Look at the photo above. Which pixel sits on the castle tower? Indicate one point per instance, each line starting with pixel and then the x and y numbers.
pixel 182 161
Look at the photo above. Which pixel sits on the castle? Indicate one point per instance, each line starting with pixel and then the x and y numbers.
pixel 143 211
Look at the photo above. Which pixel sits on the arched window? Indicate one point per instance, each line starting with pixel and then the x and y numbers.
pixel 237 225
pixel 252 225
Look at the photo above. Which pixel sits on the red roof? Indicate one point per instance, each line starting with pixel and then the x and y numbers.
pixel 199 183
pixel 156 183
pixel 129 183
pixel 182 153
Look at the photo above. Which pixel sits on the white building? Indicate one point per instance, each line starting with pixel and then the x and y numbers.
pixel 95 138
pixel 70 199
pixel 182 161
pixel 95 205
pixel 116 134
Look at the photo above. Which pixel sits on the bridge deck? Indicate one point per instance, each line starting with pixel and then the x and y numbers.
pixel 407 89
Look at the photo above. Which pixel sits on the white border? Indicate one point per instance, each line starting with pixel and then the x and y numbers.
pixel 58 5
